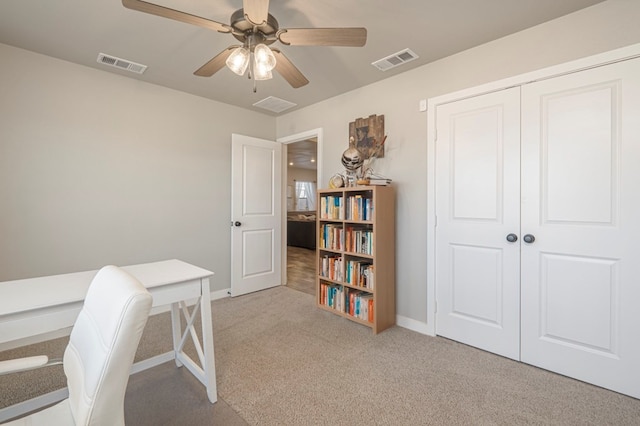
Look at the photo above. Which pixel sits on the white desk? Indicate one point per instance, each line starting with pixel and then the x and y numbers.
pixel 43 305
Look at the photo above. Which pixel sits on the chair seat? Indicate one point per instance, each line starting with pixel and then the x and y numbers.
pixel 59 414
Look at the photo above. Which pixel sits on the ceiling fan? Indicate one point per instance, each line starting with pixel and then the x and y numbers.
pixel 256 29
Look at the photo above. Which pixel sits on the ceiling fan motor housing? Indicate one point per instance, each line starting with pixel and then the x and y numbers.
pixel 243 28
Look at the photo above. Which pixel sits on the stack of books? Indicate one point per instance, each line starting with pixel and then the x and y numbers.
pixel 379 181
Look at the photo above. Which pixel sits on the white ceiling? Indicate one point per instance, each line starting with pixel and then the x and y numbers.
pixel 303 154
pixel 78 30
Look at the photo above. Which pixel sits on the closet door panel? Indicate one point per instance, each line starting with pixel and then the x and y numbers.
pixel 580 176
pixel 579 162
pixel 477 206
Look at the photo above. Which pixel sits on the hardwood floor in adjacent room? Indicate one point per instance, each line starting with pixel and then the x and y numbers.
pixel 301 269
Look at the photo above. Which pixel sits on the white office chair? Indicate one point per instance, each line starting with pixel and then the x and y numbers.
pixel 98 358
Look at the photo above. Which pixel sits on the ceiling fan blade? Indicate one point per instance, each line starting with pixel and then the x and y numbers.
pixel 215 64
pixel 165 12
pixel 289 71
pixel 356 37
pixel 256 11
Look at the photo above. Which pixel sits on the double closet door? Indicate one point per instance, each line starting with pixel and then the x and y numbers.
pixel 538 224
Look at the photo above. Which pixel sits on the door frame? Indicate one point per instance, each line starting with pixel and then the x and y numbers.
pixel 285 140
pixel 578 65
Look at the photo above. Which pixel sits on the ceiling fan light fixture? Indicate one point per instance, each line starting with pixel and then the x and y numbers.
pixel 264 57
pixel 260 73
pixel 238 61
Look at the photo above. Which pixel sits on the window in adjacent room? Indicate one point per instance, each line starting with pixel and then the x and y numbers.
pixel 305 196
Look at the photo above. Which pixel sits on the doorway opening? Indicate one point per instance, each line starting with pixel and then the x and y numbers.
pixel 301 182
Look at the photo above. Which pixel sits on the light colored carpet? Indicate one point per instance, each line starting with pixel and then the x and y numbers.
pixel 282 361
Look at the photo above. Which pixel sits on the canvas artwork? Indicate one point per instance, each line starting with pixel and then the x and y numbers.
pixel 368 134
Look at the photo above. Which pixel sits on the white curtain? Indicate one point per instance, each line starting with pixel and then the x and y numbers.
pixel 305 196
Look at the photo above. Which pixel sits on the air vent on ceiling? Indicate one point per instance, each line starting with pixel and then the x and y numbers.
pixel 274 104
pixel 392 61
pixel 123 64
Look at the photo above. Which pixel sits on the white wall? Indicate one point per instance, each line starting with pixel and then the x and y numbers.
pixel 603 27
pixel 97 168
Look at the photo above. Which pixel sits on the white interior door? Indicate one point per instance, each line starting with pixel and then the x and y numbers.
pixel 256 214
pixel 477 207
pixel 581 202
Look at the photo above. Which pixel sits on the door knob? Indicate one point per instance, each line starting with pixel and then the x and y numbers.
pixel 238 223
pixel 529 238
pixel 512 238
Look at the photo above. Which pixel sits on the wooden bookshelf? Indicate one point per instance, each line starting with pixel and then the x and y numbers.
pixel 356 254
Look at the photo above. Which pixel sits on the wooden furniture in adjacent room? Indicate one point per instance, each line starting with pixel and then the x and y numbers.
pixel 356 254
pixel 301 229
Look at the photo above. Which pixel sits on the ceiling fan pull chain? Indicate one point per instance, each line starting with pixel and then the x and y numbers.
pixel 252 70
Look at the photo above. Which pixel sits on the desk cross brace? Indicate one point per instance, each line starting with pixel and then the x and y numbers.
pixel 180 336
pixel 190 330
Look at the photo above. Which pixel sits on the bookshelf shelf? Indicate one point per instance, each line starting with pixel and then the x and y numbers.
pixel 356 254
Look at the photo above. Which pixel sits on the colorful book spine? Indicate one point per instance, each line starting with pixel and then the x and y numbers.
pixel 359 207
pixel 359 274
pixel 359 240
pixel 333 296
pixel 331 208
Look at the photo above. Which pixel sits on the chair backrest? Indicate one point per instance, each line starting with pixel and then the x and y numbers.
pixel 103 343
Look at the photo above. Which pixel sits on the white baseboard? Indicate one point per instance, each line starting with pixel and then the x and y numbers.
pixel 221 294
pixel 413 325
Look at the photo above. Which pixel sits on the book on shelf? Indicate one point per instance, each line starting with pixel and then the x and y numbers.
pixel 331 207
pixel 332 237
pixel 360 305
pixel 359 273
pixel 331 267
pixel 359 208
pixel 380 181
pixel 358 240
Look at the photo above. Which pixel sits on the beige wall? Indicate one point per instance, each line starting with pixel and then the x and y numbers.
pixel 603 27
pixel 97 168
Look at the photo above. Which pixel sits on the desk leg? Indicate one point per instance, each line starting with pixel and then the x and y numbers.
pixel 207 341
pixel 176 326
pixel 206 370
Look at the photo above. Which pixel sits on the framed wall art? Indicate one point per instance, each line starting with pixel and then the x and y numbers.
pixel 368 134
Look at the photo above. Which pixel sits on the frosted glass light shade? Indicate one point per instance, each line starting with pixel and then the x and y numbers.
pixel 260 74
pixel 264 57
pixel 238 60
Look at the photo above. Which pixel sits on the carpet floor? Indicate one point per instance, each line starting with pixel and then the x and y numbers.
pixel 281 361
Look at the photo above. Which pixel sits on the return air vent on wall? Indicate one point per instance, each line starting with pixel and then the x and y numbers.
pixel 123 64
pixel 392 61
